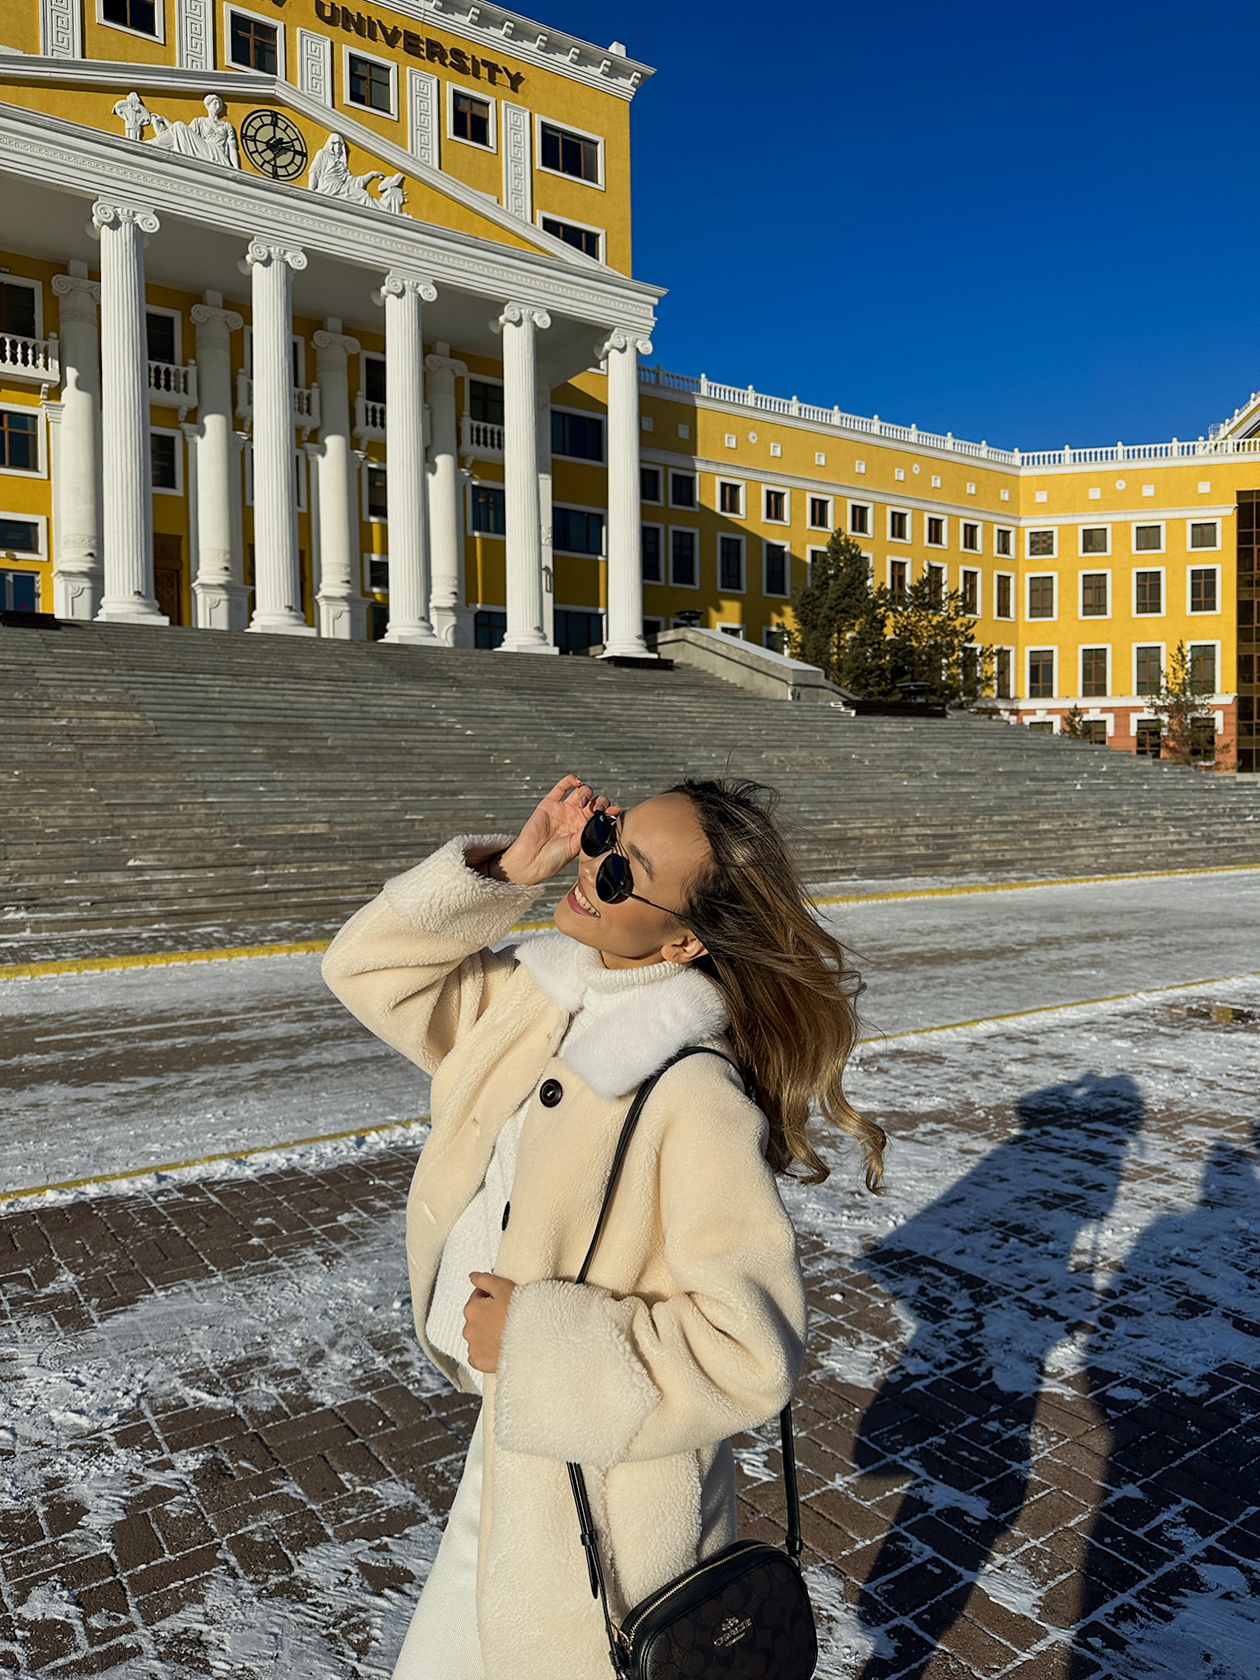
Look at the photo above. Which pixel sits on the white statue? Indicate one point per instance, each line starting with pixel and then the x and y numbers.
pixel 214 137
pixel 330 174
pixel 390 194
pixel 211 137
pixel 134 116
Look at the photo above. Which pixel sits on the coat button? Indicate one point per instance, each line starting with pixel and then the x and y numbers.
pixel 550 1092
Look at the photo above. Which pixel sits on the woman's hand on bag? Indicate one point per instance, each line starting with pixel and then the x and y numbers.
pixel 484 1318
pixel 549 840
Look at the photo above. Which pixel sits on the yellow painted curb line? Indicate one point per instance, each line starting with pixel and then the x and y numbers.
pixel 208 1160
pixel 156 959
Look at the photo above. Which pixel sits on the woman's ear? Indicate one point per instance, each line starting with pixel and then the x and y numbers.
pixel 684 949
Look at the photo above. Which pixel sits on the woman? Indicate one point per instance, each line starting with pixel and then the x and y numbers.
pixel 691 1326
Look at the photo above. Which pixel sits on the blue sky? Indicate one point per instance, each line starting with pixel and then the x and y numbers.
pixel 1033 223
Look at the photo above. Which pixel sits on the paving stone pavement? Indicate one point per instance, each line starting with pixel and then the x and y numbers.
pixel 223 1454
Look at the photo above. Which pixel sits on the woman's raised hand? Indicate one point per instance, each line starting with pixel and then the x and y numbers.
pixel 549 840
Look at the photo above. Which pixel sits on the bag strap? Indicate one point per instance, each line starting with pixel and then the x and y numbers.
pixel 577 1481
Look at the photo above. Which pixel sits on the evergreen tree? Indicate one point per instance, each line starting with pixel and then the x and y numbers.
pixel 830 605
pixel 1178 705
pixel 928 637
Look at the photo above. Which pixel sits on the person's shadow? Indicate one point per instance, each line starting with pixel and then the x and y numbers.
pixel 987 1273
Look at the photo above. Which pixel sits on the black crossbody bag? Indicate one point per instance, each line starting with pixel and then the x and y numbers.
pixel 743 1614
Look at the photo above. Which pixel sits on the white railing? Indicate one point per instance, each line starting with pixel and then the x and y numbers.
pixel 479 437
pixel 30 358
pixel 745 396
pixel 306 412
pixel 369 418
pixel 168 379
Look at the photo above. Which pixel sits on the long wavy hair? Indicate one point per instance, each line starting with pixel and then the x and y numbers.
pixel 788 988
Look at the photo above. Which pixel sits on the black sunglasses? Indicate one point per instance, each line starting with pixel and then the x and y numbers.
pixel 614 879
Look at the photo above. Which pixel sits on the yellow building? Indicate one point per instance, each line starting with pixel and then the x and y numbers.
pixel 320 320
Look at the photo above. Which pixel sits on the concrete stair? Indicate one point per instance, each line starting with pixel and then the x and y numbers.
pixel 162 788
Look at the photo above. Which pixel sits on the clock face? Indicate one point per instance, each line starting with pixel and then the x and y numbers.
pixel 273 144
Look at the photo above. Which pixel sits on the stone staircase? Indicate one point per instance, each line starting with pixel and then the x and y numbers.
pixel 168 788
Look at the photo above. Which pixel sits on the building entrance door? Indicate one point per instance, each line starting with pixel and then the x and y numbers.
pixel 168 575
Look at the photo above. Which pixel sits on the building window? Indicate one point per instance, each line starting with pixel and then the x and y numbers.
pixel 1203 589
pixel 485 402
pixel 650 553
pixel 1040 545
pixel 1095 539
pixel 371 84
pixel 731 565
pixel 1002 673
pixel 470 118
pixel 584 239
pixel 570 154
pixel 650 484
pixel 489 629
pixel 1004 602
pixel 897 570
pixel 576 531
pixel 254 44
pixel 1093 671
pixel 163 461
pixel 731 498
pixel 1148 592
pixel 19 591
pixel 576 631
pixel 578 435
pixel 1148 669
pixel 489 515
pixel 1202 738
pixel 971 538
pixel 20 536
pixel 682 559
pixel 1041 674
pixel 1003 541
pixel 899 525
pixel 19 440
pixel 774 637
pixel 159 330
pixel 1093 594
pixel 1041 597
pixel 682 489
pixel 1203 667
pixel 374 380
pixel 1148 539
pixel 1203 534
pixel 971 592
pixel 776 562
pixel 17 311
pixel 378 501
pixel 140 15
pixel 1147 743
pixel 859 519
pixel 820 513
pixel 776 506
pixel 935 531
pixel 936 586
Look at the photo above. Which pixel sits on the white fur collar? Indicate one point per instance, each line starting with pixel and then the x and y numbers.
pixel 629 1021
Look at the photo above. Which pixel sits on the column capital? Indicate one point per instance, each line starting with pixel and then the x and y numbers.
pixel 520 314
pixel 106 215
pixel 261 254
pixel 445 364
pixel 621 338
pixel 204 313
pixel 67 285
pixel 398 284
pixel 325 340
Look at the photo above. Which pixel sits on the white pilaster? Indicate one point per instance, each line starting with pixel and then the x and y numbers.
pixel 315 65
pixel 424 104
pixel 518 173
pixel 220 598
pixel 61 28
pixel 194 34
pixel 125 464
pixel 277 586
pixel 624 637
pixel 78 573
pixel 451 621
pixel 525 624
pixel 342 609
pixel 546 518
pixel 402 295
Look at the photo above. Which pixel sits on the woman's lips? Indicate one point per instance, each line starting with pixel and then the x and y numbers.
pixel 580 906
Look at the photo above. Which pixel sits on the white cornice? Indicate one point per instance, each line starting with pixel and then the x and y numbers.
pixel 87 162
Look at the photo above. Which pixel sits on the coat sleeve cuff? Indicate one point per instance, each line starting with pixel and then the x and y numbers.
pixel 443 888
pixel 569 1383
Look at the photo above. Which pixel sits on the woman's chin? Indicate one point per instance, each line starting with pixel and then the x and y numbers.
pixel 576 923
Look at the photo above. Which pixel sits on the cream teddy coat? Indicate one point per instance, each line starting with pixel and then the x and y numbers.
pixel 691 1326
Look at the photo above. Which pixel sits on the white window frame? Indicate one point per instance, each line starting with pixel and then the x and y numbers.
pixel 1195 566
pixel 741 485
pixel 367 515
pixel 1040 531
pixel 584 460
pixel 582 134
pixel 366 560
pixel 230 9
pixel 770 633
pixel 742 540
pixel 909 536
pixel 978 527
pixel 669 557
pixel 814 553
pixel 663 580
pixel 572 221
pixel 347 53
pixel 41 441
pixel 1010 532
pixel 1054 616
pixel 576 553
pixel 1080 672
pixel 140 34
pixel 173 315
pixel 40 519
pixel 766 595
pixel 452 88
pixel 468 379
pixel 1208 641
pixel 1004 618
pixel 891 560
pixel 485 536
pixel 941 566
pixel 1094 618
pixel 174 432
pixel 366 356
pixel 734 628
pixel 1146 524
pixel 869 508
pixel 35 286
pixel 1133 654
pixel 652 625
pixel 692 506
pixel 1000 648
pixel 927 526
pixel 972 571
pixel 1163 592
pixel 1214 547
pixel 663 475
pixel 1053 649
pixel 1095 554
pixel 779 490
pixel 813 496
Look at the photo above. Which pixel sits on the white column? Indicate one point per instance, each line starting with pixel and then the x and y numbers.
pixel 342 609
pixel 624 637
pixel 220 598
pixel 125 462
pixel 446 504
pixel 402 295
pixel 277 586
pixel 77 570
pixel 546 523
pixel 525 625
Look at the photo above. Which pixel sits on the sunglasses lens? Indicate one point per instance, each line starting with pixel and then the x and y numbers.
pixel 613 880
pixel 597 835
